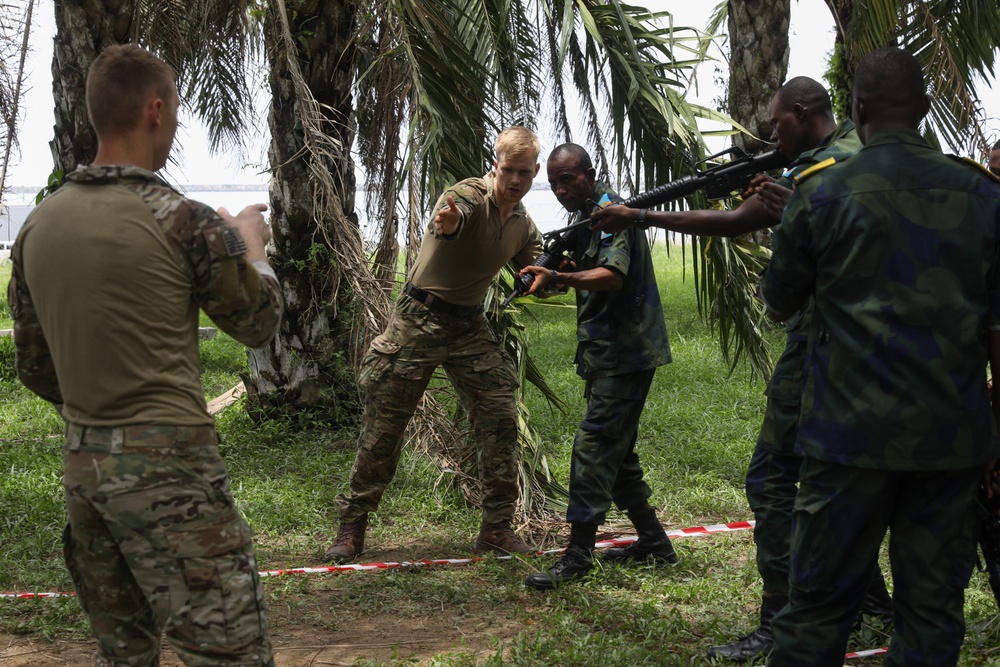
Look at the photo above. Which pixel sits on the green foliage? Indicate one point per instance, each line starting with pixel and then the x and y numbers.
pixel 696 436
pixel 55 179
pixel 840 80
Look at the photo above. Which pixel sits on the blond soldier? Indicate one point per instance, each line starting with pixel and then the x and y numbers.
pixel 479 226
pixel 109 274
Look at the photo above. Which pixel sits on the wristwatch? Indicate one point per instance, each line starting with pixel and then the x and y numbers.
pixel 640 220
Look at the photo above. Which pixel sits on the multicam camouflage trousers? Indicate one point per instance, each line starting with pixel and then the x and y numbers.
pixel 605 466
pixel 842 514
pixel 395 374
pixel 155 545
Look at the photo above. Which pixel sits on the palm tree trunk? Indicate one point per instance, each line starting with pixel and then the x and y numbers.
pixel 83 30
pixel 308 368
pixel 758 63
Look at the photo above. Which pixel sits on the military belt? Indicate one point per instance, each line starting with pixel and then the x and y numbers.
pixel 437 305
pixel 115 439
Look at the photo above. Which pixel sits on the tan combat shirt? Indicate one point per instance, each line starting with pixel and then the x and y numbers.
pixel 109 273
pixel 459 268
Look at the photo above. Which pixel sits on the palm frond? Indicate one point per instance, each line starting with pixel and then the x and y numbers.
pixel 730 268
pixel 954 41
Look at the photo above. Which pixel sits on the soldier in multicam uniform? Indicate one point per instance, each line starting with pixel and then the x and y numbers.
pixel 622 339
pixel 898 246
pixel 479 226
pixel 805 132
pixel 109 273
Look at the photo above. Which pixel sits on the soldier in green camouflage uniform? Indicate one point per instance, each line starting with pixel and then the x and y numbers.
pixel 109 273
pixel 621 340
pixel 898 245
pixel 479 226
pixel 805 132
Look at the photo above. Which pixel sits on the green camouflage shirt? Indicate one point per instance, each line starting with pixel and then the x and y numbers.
pixel 898 244
pixel 109 273
pixel 786 378
pixel 622 331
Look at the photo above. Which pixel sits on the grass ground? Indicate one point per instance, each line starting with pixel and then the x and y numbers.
pixel 698 430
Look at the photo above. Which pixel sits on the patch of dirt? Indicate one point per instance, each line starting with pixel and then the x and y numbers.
pixel 379 638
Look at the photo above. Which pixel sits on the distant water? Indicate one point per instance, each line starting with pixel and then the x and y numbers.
pixel 541 205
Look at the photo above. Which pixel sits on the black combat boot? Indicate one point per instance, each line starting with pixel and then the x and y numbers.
pixel 878 602
pixel 759 642
pixel 653 544
pixel 576 562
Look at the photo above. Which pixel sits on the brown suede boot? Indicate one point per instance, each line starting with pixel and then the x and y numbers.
pixel 502 538
pixel 349 543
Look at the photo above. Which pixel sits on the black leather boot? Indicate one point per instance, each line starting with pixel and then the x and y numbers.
pixel 653 544
pixel 759 642
pixel 576 561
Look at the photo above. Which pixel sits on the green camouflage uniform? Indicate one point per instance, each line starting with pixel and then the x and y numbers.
pixel 622 339
pixel 773 473
pixel 154 543
pixel 443 329
pixel 898 245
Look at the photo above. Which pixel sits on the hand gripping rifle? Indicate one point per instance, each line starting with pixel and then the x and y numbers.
pixel 989 539
pixel 718 182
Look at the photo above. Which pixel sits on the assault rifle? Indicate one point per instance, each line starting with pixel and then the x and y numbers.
pixel 989 539
pixel 718 182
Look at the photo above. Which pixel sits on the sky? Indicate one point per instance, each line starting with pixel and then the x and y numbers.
pixel 811 40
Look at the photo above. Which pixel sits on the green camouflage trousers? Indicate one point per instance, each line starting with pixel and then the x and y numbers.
pixel 841 515
pixel 155 545
pixel 395 374
pixel 773 473
pixel 605 466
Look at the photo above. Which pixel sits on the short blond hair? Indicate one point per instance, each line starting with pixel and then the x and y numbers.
pixel 517 140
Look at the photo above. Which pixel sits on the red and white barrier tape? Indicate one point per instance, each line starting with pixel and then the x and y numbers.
pixel 616 542
pixel 865 654
pixel 361 567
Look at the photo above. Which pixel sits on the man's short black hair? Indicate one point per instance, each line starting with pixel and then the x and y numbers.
pixel 996 146
pixel 573 150
pixel 807 92
pixel 891 81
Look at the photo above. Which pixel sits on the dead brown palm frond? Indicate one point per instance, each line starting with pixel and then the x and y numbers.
pixel 433 428
pixel 13 53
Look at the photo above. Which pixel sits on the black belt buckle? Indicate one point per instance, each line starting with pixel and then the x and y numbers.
pixel 437 305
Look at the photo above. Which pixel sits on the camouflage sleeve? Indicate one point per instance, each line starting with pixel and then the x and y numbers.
pixel 242 299
pixel 789 278
pixel 34 361
pixel 468 195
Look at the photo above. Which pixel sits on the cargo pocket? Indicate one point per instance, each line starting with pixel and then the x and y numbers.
pixel 219 573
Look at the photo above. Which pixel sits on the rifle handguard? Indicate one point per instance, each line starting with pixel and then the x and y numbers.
pixel 546 260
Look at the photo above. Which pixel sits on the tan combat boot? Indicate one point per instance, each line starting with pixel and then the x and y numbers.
pixel 502 538
pixel 349 543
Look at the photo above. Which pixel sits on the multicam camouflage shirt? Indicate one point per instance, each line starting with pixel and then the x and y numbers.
pixel 459 268
pixel 109 273
pixel 900 246
pixel 623 331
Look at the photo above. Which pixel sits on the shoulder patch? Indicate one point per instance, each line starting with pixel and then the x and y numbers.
pixel 983 171
pixel 819 166
pixel 234 243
